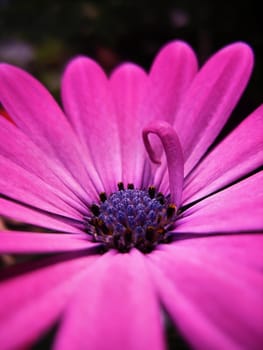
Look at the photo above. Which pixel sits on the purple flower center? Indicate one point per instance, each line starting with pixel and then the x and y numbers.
pixel 139 218
pixel 131 218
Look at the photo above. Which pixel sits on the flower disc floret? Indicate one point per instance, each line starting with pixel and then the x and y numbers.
pixel 132 218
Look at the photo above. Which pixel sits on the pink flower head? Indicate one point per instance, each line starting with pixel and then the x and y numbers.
pixel 143 217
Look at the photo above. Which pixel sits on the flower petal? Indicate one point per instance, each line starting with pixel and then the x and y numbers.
pixel 37 114
pixel 17 147
pixel 119 310
pixel 23 214
pixel 35 300
pixel 170 76
pixel 237 155
pixel 214 299
pixel 28 242
pixel 128 84
pixel 210 100
pixel 21 185
pixel 238 208
pixel 89 105
pixel 245 249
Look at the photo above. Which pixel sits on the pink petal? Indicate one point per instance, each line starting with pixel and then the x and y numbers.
pixel 237 155
pixel 128 83
pixel 28 242
pixel 237 208
pixel 23 214
pixel 37 114
pixel 245 249
pixel 21 185
pixel 33 301
pixel 17 147
pixel 115 308
pixel 170 76
pixel 211 99
pixel 89 105
pixel 214 299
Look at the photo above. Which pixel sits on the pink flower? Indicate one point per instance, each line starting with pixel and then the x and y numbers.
pixel 120 251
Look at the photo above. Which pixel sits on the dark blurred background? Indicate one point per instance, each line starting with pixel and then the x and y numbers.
pixel 43 35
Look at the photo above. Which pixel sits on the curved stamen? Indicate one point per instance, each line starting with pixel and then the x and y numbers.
pixel 173 152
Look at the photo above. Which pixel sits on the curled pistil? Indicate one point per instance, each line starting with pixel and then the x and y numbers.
pixel 174 156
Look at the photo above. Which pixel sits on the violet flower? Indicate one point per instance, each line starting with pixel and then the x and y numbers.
pixel 142 215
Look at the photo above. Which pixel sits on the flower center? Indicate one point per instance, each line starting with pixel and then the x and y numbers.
pixel 132 218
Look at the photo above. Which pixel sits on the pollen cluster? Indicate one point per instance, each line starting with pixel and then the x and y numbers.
pixel 131 218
